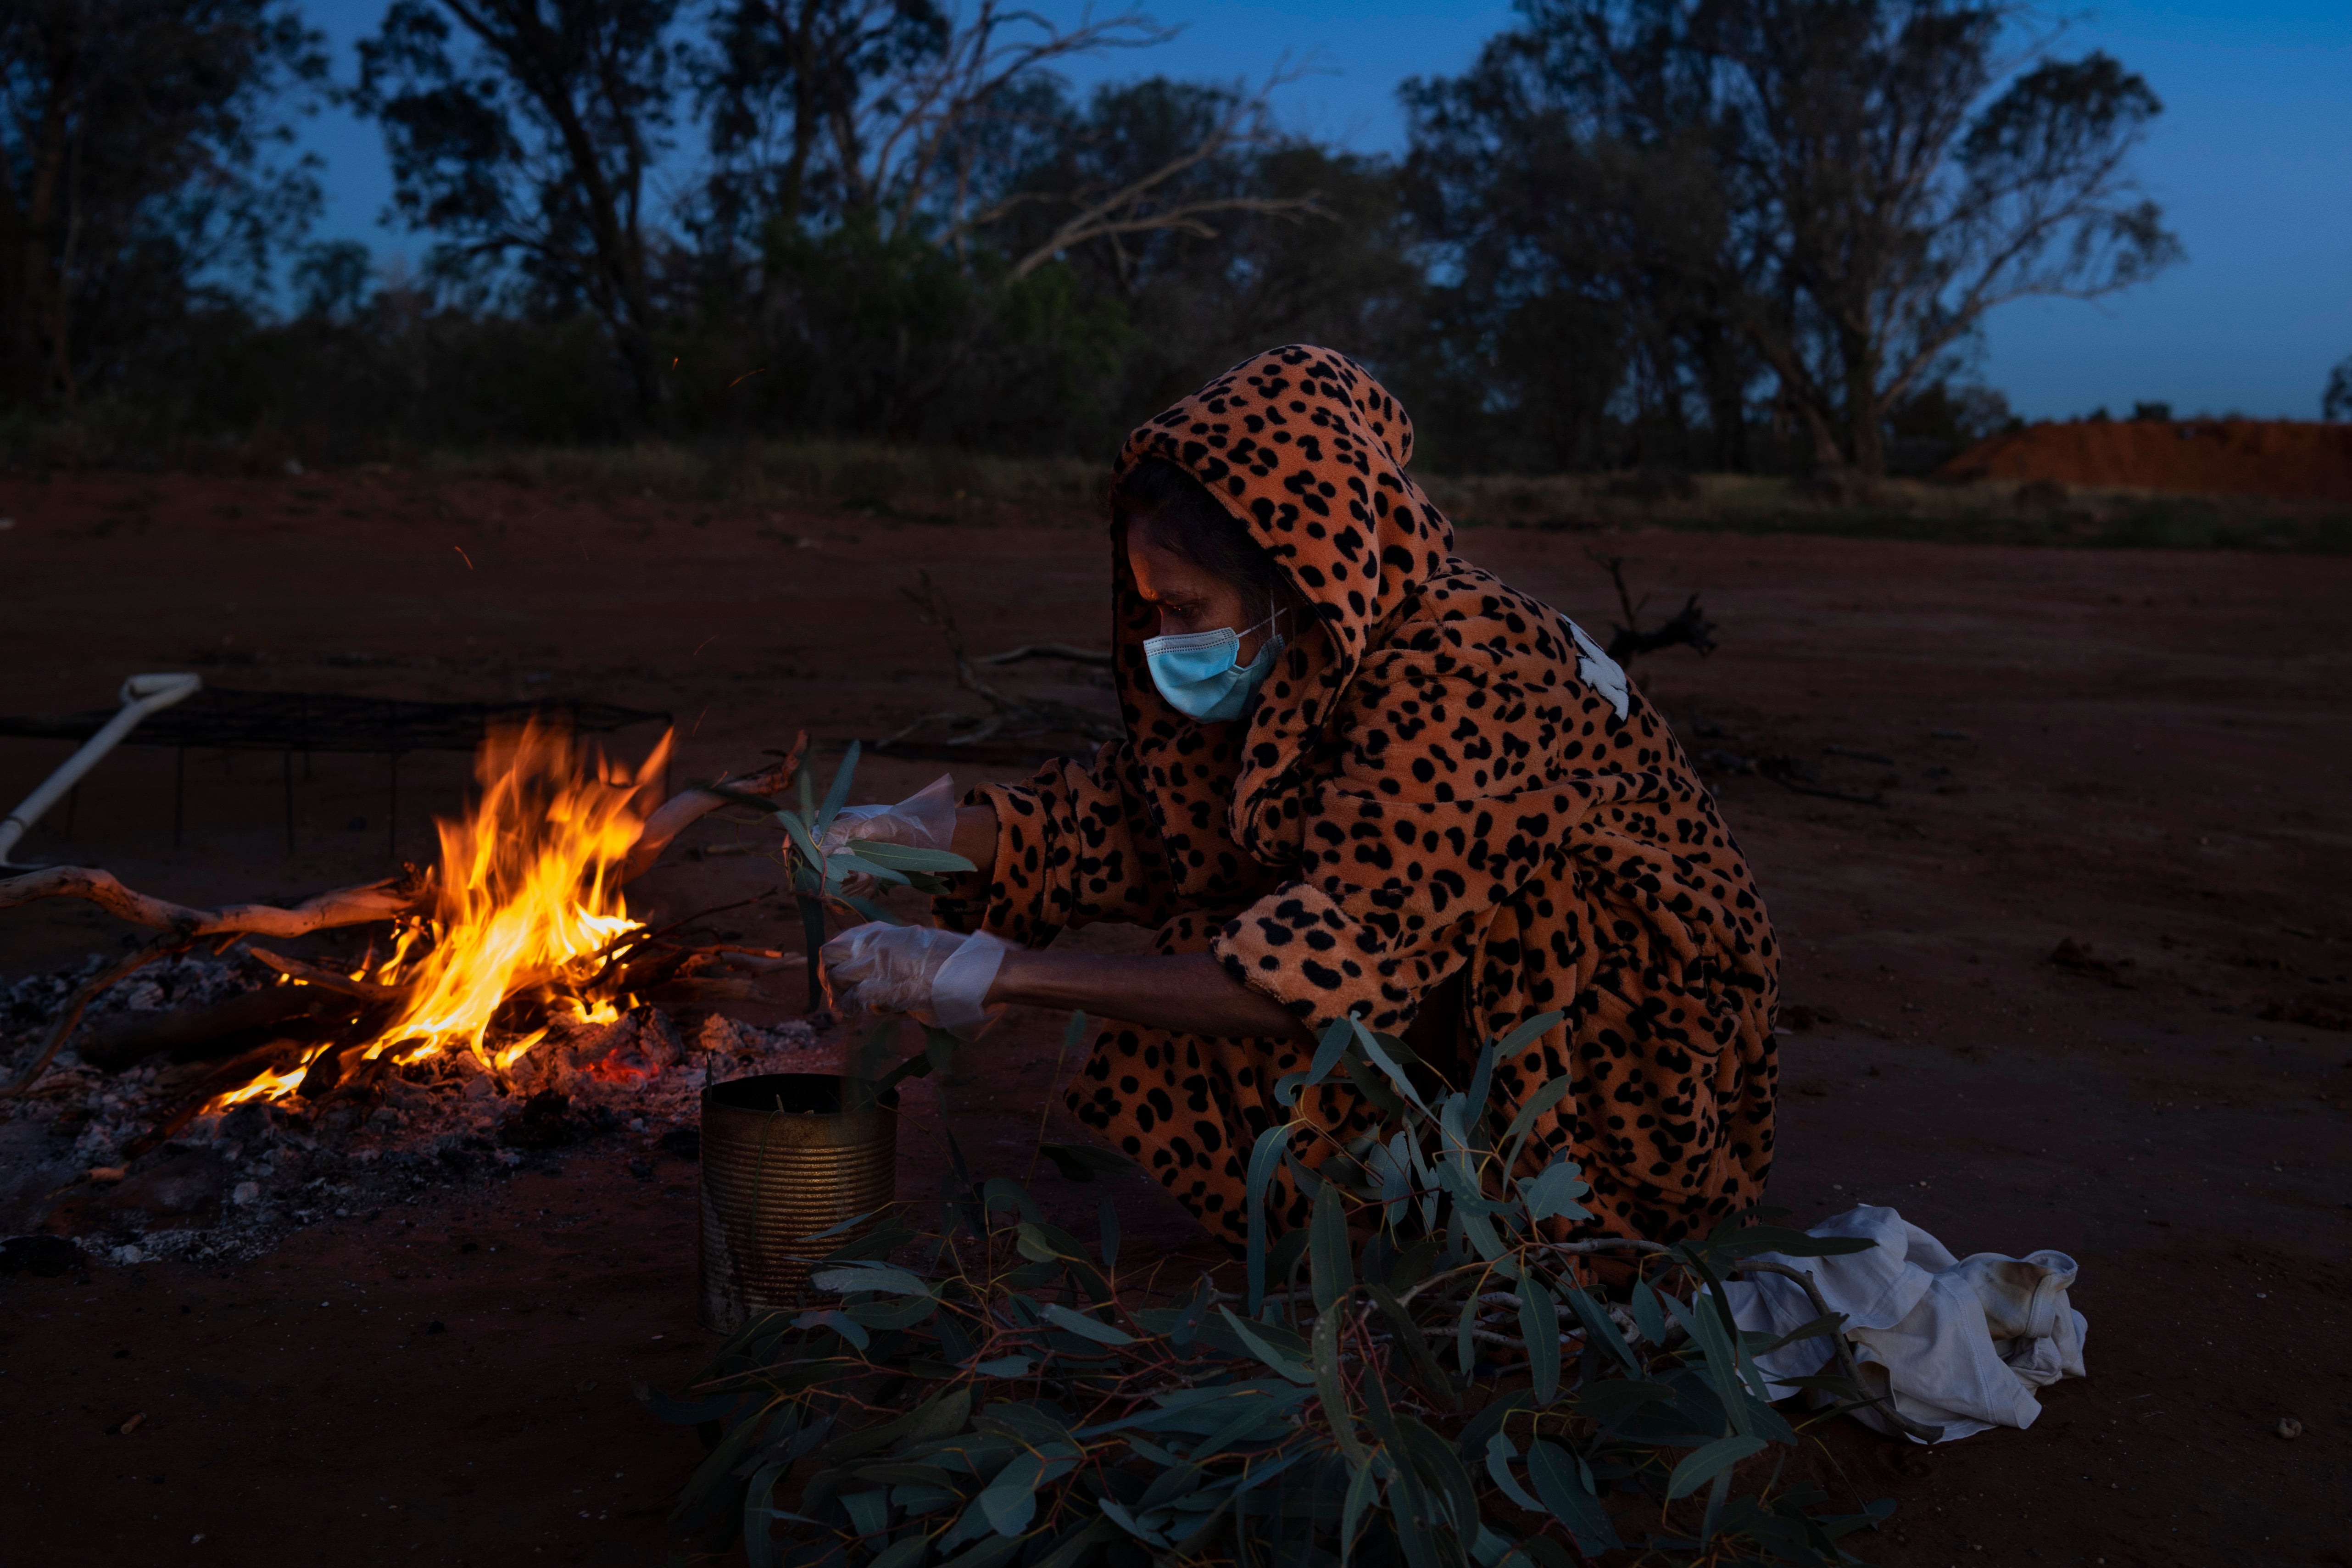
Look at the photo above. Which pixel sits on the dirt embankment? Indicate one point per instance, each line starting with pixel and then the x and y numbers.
pixel 2287 459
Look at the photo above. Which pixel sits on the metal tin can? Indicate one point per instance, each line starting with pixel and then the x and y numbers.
pixel 786 1156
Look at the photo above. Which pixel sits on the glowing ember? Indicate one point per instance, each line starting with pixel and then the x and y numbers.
pixel 527 895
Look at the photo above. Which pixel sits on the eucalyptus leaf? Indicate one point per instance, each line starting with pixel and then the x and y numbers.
pixel 1267 1353
pixel 1264 1156
pixel 1561 1487
pixel 1329 1253
pixel 850 1277
pixel 839 1323
pixel 1380 1058
pixel 1539 1326
pixel 1085 1327
pixel 1700 1466
pixel 1526 1035
pixel 1351 1509
pixel 838 796
pixel 1647 1315
pixel 1337 1413
pixel 1553 1195
pixel 909 856
pixel 1328 1053
pixel 1499 1455
pixel 1010 1499
pixel 907 1553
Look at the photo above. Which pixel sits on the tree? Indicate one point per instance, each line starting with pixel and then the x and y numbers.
pixel 1911 192
pixel 1574 185
pixel 1836 192
pixel 534 146
pixel 2336 403
pixel 902 186
pixel 140 175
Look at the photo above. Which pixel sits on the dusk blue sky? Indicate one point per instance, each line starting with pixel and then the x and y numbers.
pixel 2251 162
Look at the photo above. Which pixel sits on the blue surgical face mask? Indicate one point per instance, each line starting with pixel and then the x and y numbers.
pixel 1200 673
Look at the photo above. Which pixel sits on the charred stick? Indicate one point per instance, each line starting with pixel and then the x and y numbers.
pixel 232 1074
pixel 326 979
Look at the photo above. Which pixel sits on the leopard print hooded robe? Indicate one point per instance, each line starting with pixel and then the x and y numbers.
pixel 1452 780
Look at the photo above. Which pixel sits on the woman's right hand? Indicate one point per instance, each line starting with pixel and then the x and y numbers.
pixel 937 977
pixel 924 820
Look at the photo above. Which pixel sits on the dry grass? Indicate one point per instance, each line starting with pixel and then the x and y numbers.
pixel 929 482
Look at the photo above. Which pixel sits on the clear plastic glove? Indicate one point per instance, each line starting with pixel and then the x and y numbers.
pixel 924 820
pixel 936 977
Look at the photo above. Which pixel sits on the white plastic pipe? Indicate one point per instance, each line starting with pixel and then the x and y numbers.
pixel 141 695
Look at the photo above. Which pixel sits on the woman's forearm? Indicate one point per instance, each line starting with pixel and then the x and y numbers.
pixel 1190 992
pixel 975 840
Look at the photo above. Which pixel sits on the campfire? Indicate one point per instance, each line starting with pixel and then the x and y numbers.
pixel 502 1005
pixel 527 919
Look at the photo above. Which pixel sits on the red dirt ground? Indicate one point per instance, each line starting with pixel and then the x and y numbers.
pixel 2147 752
pixel 2286 458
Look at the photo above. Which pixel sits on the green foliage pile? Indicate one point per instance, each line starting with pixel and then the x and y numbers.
pixel 1418 1377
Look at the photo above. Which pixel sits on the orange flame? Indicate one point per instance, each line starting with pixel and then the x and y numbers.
pixel 527 894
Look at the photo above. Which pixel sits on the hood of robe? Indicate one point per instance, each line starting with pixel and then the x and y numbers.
pixel 1308 452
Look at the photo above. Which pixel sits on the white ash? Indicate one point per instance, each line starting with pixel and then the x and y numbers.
pixel 32 1004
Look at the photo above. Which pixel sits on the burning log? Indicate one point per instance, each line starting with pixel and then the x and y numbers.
pixel 228 1076
pixel 194 1034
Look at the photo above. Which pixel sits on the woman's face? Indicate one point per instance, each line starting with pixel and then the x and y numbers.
pixel 1191 598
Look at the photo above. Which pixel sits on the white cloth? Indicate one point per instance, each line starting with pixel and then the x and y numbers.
pixel 1957 1344
pixel 1599 671
pixel 937 977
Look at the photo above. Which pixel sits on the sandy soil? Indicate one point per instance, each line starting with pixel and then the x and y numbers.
pixel 2148 754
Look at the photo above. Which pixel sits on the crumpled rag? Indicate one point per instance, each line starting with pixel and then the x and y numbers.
pixel 1961 1343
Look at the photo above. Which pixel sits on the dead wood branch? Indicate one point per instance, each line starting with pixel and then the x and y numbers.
pixel 1786 771
pixel 1009 716
pixel 688 806
pixel 1049 650
pixel 1688 627
pixel 387 900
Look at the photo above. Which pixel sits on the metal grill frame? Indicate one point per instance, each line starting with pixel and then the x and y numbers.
pixel 288 722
